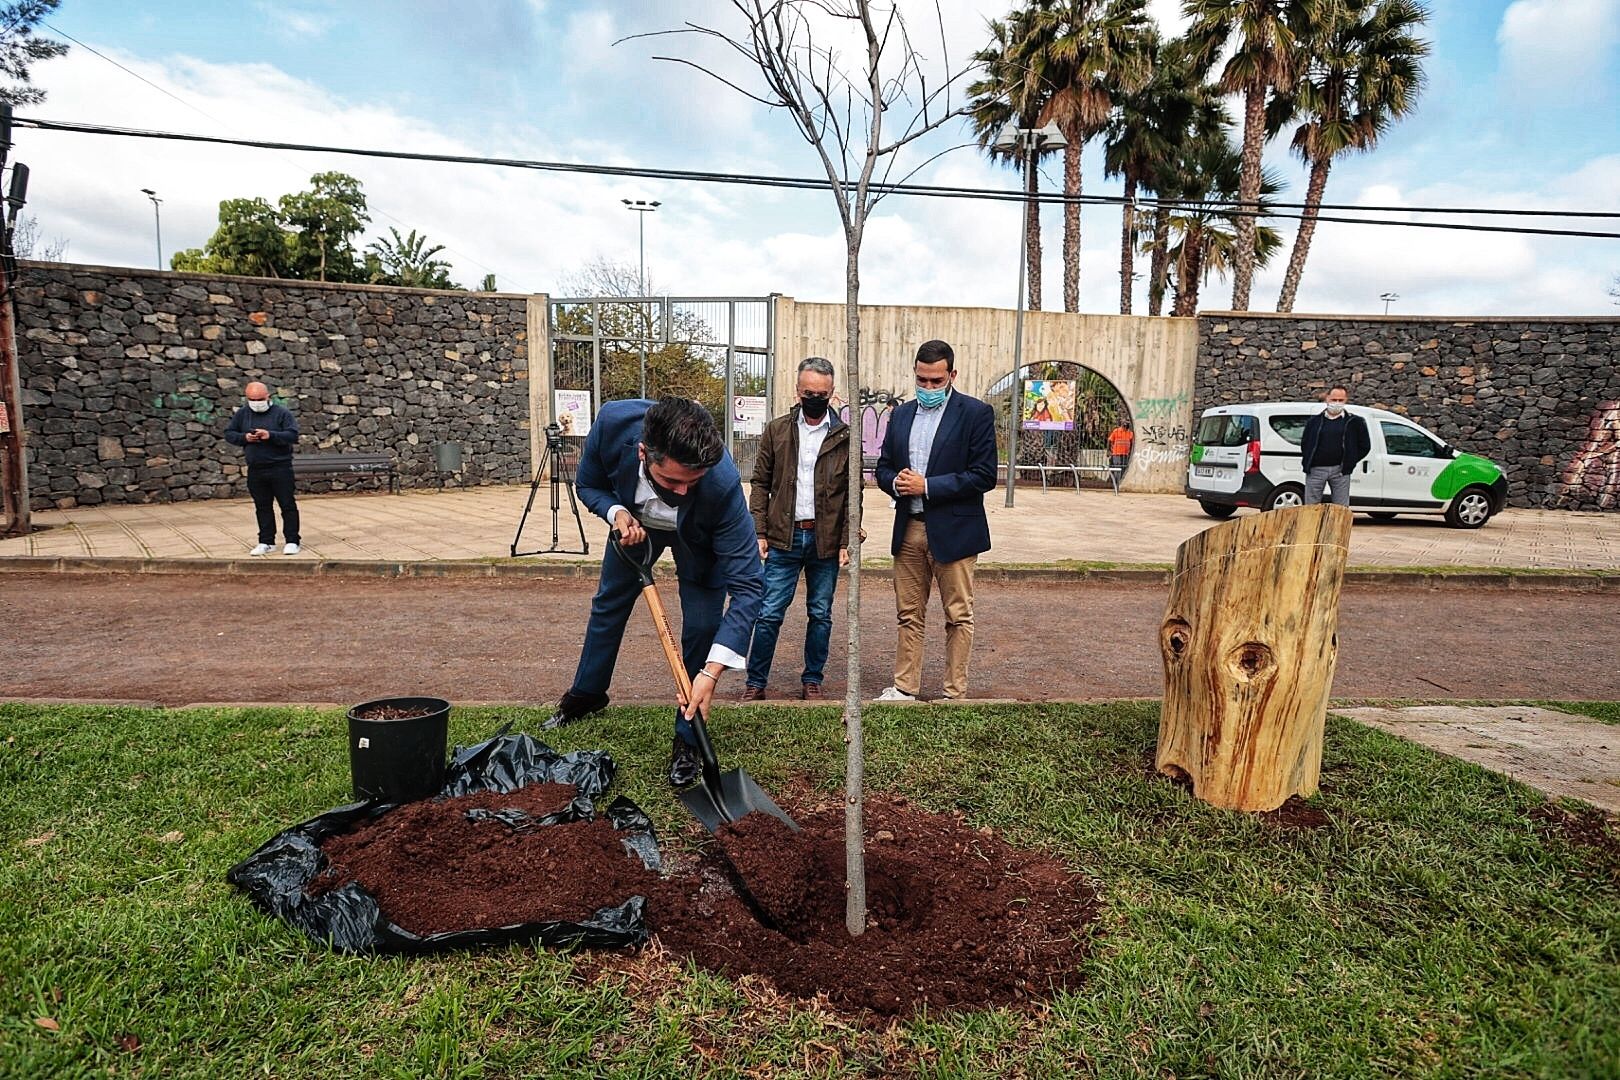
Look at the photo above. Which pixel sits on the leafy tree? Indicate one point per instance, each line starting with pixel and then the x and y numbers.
pixel 1008 91
pixel 1089 54
pixel 1361 71
pixel 249 241
pixel 19 48
pixel 322 220
pixel 488 284
pixel 407 260
pixel 1264 37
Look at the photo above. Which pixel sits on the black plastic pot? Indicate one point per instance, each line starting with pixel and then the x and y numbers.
pixel 398 760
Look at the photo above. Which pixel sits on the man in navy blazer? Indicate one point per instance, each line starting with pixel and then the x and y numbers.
pixel 660 474
pixel 937 461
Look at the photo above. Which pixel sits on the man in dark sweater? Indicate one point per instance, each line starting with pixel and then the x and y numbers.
pixel 266 432
pixel 1332 446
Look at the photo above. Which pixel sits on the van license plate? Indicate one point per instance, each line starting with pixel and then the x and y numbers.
pixel 1203 470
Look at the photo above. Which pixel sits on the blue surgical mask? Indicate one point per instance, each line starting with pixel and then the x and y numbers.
pixel 932 399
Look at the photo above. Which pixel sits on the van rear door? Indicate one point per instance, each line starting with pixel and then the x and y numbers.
pixel 1220 451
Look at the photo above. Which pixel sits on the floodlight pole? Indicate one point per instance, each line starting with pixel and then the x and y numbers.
pixel 643 207
pixel 13 471
pixel 157 222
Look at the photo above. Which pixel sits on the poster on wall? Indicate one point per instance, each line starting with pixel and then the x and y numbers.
pixel 573 411
pixel 1048 405
pixel 748 416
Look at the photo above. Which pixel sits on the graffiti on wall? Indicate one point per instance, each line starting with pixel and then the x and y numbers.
pixel 1162 437
pixel 1161 408
pixel 1593 474
pixel 876 406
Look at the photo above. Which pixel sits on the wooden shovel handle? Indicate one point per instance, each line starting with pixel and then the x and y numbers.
pixel 666 638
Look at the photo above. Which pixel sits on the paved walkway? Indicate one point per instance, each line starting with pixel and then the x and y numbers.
pixel 1558 754
pixel 1044 528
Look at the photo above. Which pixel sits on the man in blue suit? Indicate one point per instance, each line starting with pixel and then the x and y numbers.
pixel 937 461
pixel 660 474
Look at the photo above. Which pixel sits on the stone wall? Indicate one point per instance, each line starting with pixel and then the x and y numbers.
pixel 1539 396
pixel 129 377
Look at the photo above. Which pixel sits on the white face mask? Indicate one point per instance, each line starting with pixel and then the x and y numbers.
pixel 259 406
pixel 1334 408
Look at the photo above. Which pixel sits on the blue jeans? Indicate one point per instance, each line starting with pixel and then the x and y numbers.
pixel 781 581
pixel 617 597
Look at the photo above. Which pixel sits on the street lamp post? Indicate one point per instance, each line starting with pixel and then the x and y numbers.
pixel 642 207
pixel 1030 141
pixel 1387 298
pixel 157 222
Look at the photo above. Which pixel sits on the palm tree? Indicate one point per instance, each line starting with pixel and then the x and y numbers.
pixel 1148 133
pixel 1265 55
pixel 1203 237
pixel 1008 92
pixel 1090 53
pixel 407 260
pixel 1357 76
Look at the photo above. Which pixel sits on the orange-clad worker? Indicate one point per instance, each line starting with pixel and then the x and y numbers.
pixel 1119 446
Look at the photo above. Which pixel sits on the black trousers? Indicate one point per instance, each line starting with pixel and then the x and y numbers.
pixel 267 483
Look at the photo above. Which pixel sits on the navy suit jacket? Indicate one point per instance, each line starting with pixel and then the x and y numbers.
pixel 961 468
pixel 715 545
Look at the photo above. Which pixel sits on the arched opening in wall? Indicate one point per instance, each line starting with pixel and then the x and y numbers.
pixel 1074 409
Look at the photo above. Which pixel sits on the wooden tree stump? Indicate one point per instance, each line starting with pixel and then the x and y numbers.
pixel 1250 639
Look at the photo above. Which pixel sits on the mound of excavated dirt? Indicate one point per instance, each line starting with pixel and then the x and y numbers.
pixel 957 917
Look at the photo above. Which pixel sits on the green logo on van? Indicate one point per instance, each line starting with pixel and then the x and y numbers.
pixel 1197 453
pixel 1464 470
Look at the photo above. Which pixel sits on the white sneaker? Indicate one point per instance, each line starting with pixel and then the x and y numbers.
pixel 291 549
pixel 260 549
pixel 894 693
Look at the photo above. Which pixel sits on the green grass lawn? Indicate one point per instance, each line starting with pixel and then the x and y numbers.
pixel 1431 929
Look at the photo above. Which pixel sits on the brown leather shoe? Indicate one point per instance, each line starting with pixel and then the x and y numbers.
pixel 752 693
pixel 811 691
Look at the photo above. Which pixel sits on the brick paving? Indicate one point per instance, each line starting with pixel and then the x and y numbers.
pixel 1044 528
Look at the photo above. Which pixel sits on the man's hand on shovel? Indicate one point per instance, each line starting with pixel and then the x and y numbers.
pixel 703 688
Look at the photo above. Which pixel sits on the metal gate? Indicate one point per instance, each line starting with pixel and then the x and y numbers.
pixel 715 350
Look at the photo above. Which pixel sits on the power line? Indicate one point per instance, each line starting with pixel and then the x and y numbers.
pixel 810 183
pixel 207 116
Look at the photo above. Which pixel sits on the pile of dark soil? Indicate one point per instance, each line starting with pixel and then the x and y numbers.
pixel 1589 829
pixel 434 869
pixel 956 917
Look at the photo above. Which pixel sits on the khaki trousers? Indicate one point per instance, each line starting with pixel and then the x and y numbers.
pixel 914 571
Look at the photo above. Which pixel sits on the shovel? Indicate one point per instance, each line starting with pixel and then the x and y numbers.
pixel 719 798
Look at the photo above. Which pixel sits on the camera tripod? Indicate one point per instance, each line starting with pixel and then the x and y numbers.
pixel 553 463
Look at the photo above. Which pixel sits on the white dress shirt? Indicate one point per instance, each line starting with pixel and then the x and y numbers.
pixel 924 426
pixel 811 436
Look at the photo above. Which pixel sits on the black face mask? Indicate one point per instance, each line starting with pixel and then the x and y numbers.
pixel 665 495
pixel 814 406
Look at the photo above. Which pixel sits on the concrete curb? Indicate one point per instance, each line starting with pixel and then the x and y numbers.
pixel 1013 575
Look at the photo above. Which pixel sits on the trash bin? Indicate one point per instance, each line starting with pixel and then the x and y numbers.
pixel 446 459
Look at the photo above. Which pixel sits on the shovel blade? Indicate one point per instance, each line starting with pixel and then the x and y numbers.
pixel 735 795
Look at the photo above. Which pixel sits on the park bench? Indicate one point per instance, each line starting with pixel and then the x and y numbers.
pixel 1092 461
pixel 347 463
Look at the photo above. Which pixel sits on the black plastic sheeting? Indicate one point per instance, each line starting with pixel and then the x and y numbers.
pixel 276 875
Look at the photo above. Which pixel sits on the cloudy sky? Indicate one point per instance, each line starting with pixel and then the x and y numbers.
pixel 1520 111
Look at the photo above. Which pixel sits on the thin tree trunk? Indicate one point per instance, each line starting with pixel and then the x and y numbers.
pixel 1254 137
pixel 1307 228
pixel 1159 265
pixel 1032 227
pixel 1189 271
pixel 854 760
pixel 1071 222
pixel 1127 252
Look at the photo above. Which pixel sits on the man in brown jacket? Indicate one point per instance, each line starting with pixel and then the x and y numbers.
pixel 799 496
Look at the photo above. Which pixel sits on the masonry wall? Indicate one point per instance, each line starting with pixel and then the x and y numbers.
pixel 1539 396
pixel 129 377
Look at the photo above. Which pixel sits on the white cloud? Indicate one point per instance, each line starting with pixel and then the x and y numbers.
pixel 1558 45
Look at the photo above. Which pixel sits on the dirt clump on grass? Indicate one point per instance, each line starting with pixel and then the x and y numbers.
pixel 1589 829
pixel 1296 813
pixel 434 869
pixel 957 918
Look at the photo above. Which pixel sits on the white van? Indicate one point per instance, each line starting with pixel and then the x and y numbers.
pixel 1248 455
